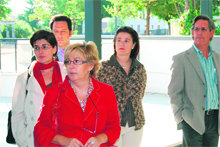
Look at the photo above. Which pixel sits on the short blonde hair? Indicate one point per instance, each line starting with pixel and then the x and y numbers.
pixel 89 51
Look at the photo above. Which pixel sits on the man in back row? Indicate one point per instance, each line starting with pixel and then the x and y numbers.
pixel 61 26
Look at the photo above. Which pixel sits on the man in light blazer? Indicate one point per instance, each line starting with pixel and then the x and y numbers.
pixel 193 89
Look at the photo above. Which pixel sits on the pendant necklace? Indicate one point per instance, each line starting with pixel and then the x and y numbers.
pixel 123 67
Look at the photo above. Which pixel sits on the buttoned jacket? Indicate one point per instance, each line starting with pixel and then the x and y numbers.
pixel 25 111
pixel 187 89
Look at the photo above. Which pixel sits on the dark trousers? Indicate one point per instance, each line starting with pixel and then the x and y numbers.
pixel 210 138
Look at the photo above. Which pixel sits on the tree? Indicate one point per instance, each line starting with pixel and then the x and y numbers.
pixel 216 7
pixel 126 9
pixel 105 3
pixel 45 9
pixel 186 20
pixel 164 9
pixel 22 30
pixel 111 25
pixel 25 17
pixel 4 10
pixel 191 11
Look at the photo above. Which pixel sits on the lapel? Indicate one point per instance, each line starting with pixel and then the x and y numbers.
pixel 93 98
pixel 217 66
pixel 69 93
pixel 193 58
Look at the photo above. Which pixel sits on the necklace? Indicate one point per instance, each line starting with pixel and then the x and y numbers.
pixel 123 67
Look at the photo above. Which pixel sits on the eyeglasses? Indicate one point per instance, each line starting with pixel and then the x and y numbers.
pixel 97 113
pixel 43 47
pixel 203 29
pixel 75 61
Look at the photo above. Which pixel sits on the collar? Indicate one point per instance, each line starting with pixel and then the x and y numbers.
pixel 61 49
pixel 113 62
pixel 90 88
pixel 198 51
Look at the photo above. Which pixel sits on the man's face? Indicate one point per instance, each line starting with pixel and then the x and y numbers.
pixel 62 33
pixel 201 33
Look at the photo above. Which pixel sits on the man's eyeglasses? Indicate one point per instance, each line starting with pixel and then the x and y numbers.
pixel 203 29
pixel 75 61
pixel 97 113
pixel 43 47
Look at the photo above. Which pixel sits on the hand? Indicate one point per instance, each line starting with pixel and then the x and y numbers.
pixel 92 142
pixel 73 142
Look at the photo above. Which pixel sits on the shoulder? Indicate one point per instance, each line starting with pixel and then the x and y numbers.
pixel 61 64
pixel 105 63
pixel 110 62
pixel 217 53
pixel 31 67
pixel 62 69
pixel 184 53
pixel 106 68
pixel 138 64
pixel 98 84
pixel 21 77
pixel 104 90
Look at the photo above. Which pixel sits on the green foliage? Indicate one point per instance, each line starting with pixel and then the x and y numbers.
pixel 22 30
pixel 3 31
pixel 45 9
pixel 186 21
pixel 125 8
pixel 25 17
pixel 111 25
pixel 216 8
pixel 217 31
pixel 128 9
pixel 104 4
pixel 4 10
pixel 165 9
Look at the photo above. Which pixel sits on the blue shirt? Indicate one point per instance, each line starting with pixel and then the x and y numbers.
pixel 210 75
pixel 60 54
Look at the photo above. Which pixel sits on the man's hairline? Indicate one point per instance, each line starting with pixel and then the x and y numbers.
pixel 61 21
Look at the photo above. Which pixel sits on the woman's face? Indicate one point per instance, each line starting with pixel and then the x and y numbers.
pixel 80 71
pixel 44 51
pixel 124 44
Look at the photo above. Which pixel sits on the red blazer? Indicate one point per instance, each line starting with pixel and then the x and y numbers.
pixel 72 121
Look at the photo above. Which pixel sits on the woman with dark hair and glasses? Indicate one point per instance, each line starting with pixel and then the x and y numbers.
pixel 31 86
pixel 128 78
pixel 82 111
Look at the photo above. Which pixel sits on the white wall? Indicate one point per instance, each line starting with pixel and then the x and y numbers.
pixel 155 53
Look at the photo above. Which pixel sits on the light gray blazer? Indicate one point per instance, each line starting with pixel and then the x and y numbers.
pixel 187 90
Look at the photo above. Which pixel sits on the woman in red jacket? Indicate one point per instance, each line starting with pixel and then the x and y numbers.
pixel 82 111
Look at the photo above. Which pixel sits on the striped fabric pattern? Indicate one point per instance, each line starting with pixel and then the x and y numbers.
pixel 210 75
